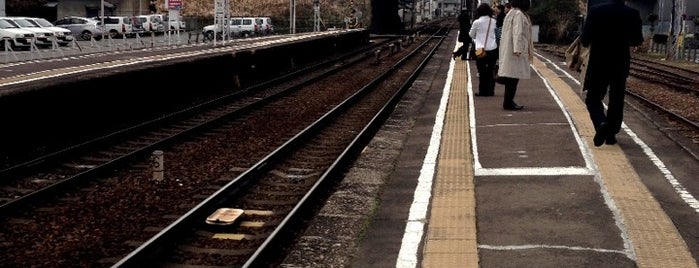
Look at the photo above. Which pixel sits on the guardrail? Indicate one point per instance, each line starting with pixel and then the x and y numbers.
pixel 105 44
pixel 680 54
pixel 168 38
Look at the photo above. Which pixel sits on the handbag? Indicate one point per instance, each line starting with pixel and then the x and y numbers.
pixel 576 55
pixel 480 53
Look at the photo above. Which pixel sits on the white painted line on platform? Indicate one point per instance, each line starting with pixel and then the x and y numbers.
pixel 590 169
pixel 685 195
pixel 479 170
pixel 415 227
pixel 524 247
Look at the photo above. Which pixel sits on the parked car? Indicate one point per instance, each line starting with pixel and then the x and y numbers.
pixel 14 36
pixel 121 26
pixel 170 23
pixel 63 35
pixel 152 23
pixel 42 37
pixel 174 23
pixel 84 28
pixel 266 26
pixel 238 26
pixel 137 28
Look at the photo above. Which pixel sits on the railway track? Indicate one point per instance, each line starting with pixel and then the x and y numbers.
pixel 669 90
pixel 18 151
pixel 285 186
pixel 677 78
pixel 37 177
pixel 113 166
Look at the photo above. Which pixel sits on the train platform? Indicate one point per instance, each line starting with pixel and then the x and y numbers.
pixel 454 180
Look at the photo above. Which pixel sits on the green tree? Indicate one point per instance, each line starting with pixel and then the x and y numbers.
pixel 559 20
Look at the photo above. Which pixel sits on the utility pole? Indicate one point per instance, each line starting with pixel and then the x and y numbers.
pixel 292 16
pixel 222 9
pixel 674 39
pixel 431 9
pixel 104 28
pixel 316 15
pixel 2 8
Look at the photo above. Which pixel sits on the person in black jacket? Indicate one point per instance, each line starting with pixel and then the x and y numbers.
pixel 464 27
pixel 609 31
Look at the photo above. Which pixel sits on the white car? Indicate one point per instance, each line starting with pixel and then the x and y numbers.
pixel 121 26
pixel 63 35
pixel 42 37
pixel 266 26
pixel 13 36
pixel 237 26
pixel 152 23
pixel 170 23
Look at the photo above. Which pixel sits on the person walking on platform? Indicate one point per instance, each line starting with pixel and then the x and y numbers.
pixel 610 30
pixel 483 34
pixel 516 51
pixel 464 38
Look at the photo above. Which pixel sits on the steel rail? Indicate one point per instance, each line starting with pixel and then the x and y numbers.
pixel 147 253
pixel 672 114
pixel 172 118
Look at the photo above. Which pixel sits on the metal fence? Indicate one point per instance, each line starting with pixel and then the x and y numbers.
pixel 680 54
pixel 169 38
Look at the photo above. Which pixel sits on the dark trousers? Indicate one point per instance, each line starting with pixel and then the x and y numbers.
pixel 596 90
pixel 510 91
pixel 485 67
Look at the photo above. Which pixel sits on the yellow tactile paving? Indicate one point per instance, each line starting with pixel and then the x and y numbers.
pixel 451 234
pixel 653 236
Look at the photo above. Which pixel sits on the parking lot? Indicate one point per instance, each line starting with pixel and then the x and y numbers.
pixel 171 38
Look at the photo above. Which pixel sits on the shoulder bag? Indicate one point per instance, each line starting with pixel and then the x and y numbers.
pixel 480 53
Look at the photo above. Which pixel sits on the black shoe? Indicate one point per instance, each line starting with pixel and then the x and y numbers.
pixel 513 107
pixel 484 95
pixel 601 135
pixel 610 140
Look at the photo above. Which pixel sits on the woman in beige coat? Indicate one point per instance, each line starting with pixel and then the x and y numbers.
pixel 516 51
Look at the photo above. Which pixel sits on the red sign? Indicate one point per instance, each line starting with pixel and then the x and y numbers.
pixel 174 4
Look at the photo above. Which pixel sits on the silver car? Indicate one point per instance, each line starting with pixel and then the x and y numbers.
pixel 83 28
pixel 63 35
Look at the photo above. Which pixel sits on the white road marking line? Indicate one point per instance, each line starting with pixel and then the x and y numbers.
pixel 686 196
pixel 524 247
pixel 479 170
pixel 417 217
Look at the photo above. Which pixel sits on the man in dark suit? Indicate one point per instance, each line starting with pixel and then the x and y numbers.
pixel 610 29
pixel 464 27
